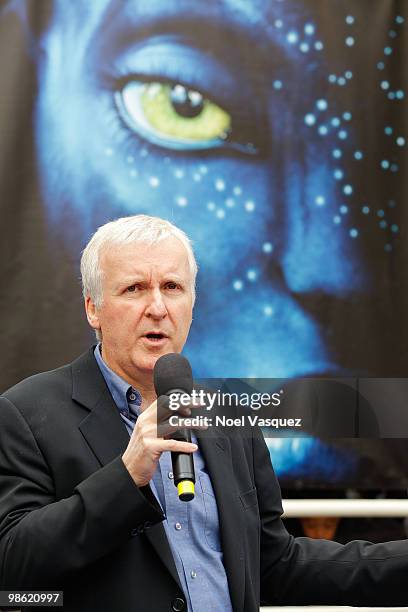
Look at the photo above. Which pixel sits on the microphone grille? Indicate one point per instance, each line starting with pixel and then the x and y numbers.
pixel 172 371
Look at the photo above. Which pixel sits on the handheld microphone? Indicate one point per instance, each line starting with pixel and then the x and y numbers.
pixel 172 374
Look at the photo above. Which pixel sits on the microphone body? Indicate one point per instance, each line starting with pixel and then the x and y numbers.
pixel 173 376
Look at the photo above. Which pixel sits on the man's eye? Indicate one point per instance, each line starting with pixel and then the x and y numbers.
pixel 172 286
pixel 173 116
pixel 131 289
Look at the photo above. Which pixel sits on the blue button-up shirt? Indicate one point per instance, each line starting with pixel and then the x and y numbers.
pixel 192 528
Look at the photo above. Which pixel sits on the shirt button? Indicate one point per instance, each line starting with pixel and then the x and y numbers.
pixel 193 574
pixel 170 475
pixel 177 526
pixel 132 396
pixel 178 604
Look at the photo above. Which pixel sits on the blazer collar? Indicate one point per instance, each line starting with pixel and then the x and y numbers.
pixel 102 427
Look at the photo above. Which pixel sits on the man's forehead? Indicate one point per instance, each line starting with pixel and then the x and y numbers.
pixel 169 255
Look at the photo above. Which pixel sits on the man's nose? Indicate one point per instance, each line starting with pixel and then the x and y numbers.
pixel 156 307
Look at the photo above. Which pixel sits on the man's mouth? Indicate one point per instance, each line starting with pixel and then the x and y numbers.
pixel 155 337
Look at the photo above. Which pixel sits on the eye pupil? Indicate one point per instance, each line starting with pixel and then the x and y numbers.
pixel 186 102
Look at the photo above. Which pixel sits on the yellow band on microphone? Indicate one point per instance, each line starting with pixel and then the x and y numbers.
pixel 185 489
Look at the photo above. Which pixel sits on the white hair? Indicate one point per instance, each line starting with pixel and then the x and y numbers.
pixel 137 228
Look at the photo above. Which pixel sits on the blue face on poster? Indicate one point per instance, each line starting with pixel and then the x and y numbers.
pixel 223 117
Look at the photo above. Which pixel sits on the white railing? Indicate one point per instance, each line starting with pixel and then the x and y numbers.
pixel 321 609
pixel 345 507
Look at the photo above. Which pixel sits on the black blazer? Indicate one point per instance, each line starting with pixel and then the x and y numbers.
pixel 71 517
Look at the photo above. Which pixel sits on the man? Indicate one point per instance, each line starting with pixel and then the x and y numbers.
pixel 87 510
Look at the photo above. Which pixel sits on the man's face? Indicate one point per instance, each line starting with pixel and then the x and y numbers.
pixel 147 305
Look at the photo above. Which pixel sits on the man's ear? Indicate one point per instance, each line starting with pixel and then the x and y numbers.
pixel 92 313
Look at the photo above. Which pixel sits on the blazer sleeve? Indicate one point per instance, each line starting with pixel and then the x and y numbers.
pixel 303 571
pixel 43 541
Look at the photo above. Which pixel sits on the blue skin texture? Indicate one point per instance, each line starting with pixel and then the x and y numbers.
pixel 258 205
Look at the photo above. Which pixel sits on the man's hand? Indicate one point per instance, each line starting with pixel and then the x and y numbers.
pixel 147 444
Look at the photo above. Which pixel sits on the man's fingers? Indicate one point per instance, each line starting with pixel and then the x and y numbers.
pixel 166 429
pixel 165 408
pixel 177 446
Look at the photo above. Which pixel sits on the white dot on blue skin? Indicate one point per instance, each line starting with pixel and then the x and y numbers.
pixel 342 134
pixel 332 78
pixel 337 153
pixel 220 213
pixel 341 81
pixel 349 41
pixel 338 174
pixel 320 200
pixel 182 201
pixel 322 104
pixel 388 130
pixel 304 47
pixel 337 219
pixel 309 29
pixel 335 122
pixel 211 206
pixel 385 164
pixel 220 185
pixel 249 206
pixel 347 116
pixel 238 285
pixel 343 209
pixel 230 203
pixel 197 177
pixel 322 130
pixel 154 181
pixel 130 159
pixel 203 169
pixel 353 233
pixel 347 189
pixel 348 74
pixel 387 51
pixel 133 173
pixel 319 46
pixel 292 37
pixel 365 210
pixel 178 173
pixel 108 152
pixel 252 275
pixel 277 84
pixel 237 190
pixel 358 155
pixel 349 19
pixel 278 23
pixel 384 85
pixel 400 141
pixel 143 152
pixel 399 19
pixel 267 247
pixel 310 119
pixel 268 311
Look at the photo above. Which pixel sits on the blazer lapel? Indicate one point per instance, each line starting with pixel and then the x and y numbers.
pixel 106 434
pixel 217 455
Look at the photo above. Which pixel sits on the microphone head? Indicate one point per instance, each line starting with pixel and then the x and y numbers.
pixel 172 372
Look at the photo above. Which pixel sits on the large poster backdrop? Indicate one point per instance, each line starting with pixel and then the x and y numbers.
pixel 273 132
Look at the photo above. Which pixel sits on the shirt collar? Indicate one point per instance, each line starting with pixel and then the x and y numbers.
pixel 123 394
